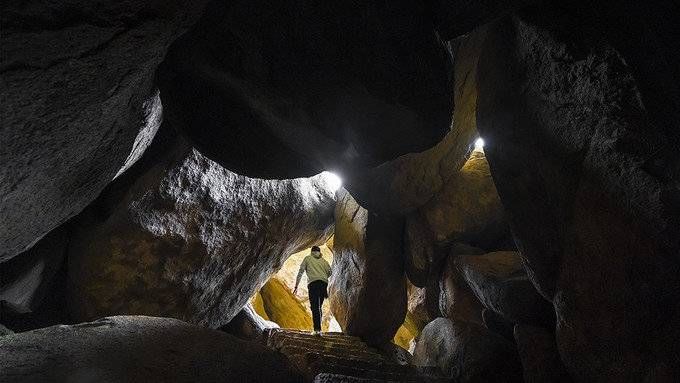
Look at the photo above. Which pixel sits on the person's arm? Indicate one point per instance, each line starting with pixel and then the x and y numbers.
pixel 303 265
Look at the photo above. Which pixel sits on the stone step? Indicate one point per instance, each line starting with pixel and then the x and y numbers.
pixel 320 344
pixel 325 337
pixel 341 353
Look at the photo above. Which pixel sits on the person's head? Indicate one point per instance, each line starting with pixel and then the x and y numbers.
pixel 316 251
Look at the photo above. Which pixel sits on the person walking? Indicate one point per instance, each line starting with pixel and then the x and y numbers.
pixel 318 270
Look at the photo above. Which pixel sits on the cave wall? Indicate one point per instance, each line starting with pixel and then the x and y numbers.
pixel 78 103
pixel 180 236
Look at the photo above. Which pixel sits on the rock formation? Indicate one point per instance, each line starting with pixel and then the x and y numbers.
pixel 467 352
pixel 282 307
pixel 138 349
pixel 312 85
pixel 78 105
pixel 367 289
pixel 189 239
pixel 540 358
pixel 586 176
pixel 248 324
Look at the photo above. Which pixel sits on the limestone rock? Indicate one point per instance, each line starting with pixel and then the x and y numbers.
pixel 181 236
pixel 467 352
pixel 137 349
pixel 367 289
pixel 500 282
pixel 78 105
pixel 248 324
pixel 5 331
pixel 311 84
pixel 456 299
pixel 540 358
pixel 417 307
pixel 588 170
pixel 283 307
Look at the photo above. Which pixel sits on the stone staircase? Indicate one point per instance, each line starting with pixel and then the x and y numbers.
pixel 336 357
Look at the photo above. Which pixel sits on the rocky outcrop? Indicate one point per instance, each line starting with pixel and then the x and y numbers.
pixel 248 324
pixel 138 349
pixel 79 103
pixel 500 282
pixel 313 85
pixel 589 181
pixel 181 236
pixel 367 289
pixel 467 352
pixel 540 358
pixel 282 307
pixel 456 299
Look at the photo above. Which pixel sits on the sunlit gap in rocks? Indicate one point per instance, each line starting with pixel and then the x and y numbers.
pixel 479 144
pixel 333 181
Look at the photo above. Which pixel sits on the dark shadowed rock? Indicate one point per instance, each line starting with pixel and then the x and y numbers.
pixel 78 103
pixel 248 324
pixel 138 349
pixel 589 180
pixel 459 17
pixel 367 289
pixel 497 324
pixel 456 300
pixel 500 282
pixel 27 280
pixel 467 352
pixel 313 85
pixel 183 237
pixel 540 358
pixel 419 249
pixel 5 331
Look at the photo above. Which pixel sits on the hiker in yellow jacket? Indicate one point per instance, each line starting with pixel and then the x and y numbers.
pixel 318 271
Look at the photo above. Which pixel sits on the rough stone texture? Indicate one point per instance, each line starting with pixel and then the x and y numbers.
pixel 467 352
pixel 416 306
pixel 501 284
pixel 468 208
pixel 367 289
pixel 181 236
pixel 137 349
pixel 589 178
pixel 412 180
pixel 312 84
pixel 456 300
pixel 248 324
pixel 76 90
pixel 540 358
pixel 282 307
pixel 496 323
pixel 27 280
pixel 5 331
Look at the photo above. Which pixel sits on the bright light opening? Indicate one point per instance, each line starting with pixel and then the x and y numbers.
pixel 479 144
pixel 334 182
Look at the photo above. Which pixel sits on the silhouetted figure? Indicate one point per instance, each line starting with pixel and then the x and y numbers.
pixel 318 271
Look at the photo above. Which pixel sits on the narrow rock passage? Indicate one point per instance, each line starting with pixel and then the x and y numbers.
pixel 336 357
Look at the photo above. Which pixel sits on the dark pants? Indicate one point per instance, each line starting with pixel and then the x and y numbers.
pixel 317 293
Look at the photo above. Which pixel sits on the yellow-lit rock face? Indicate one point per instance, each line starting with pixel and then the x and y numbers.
pixel 282 307
pixel 258 305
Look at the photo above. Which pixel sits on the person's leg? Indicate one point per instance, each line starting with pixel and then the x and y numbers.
pixel 315 297
pixel 323 293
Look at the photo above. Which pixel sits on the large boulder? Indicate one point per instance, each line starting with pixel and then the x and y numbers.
pixel 137 349
pixel 283 307
pixel 468 209
pixel 311 84
pixel 587 168
pixel 181 236
pixel 456 299
pixel 500 282
pixel 467 352
pixel 79 103
pixel 367 289
pixel 248 324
